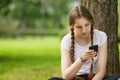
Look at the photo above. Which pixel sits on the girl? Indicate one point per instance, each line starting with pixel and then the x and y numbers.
pixel 77 59
pixel 78 62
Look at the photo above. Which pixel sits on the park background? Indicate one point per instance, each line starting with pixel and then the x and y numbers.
pixel 30 35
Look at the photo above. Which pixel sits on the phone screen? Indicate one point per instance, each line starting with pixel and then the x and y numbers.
pixel 94 47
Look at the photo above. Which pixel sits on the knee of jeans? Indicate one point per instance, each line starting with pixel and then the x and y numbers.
pixel 55 78
pixel 118 79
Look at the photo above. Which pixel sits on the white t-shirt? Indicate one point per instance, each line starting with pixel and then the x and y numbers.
pixel 99 38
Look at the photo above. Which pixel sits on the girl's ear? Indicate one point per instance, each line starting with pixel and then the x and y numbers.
pixel 72 26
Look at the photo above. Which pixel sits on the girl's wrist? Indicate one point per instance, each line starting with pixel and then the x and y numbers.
pixel 82 59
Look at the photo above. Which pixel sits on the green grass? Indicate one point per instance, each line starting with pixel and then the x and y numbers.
pixel 35 58
pixel 29 58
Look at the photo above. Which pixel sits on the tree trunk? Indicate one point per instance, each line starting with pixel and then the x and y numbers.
pixel 106 19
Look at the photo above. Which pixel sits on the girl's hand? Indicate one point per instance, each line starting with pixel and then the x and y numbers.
pixel 88 54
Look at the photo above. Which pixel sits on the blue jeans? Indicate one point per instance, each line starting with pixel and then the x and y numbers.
pixel 117 77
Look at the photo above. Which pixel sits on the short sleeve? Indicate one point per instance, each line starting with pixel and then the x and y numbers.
pixel 103 38
pixel 65 42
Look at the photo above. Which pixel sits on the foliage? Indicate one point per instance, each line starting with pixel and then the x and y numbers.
pixel 43 15
pixel 4 7
pixel 36 14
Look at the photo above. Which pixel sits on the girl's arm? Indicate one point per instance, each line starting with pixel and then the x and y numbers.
pixel 69 70
pixel 101 63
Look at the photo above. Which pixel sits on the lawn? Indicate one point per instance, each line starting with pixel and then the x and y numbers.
pixel 29 58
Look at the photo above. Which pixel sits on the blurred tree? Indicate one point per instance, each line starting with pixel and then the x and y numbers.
pixel 106 19
pixel 60 12
pixel 4 7
pixel 37 14
pixel 27 11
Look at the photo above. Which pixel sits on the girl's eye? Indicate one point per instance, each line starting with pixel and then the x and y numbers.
pixel 79 27
pixel 87 24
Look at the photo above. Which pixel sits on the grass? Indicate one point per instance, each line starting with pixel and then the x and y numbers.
pixel 29 58
pixel 35 58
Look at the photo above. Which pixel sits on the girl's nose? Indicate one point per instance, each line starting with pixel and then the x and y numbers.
pixel 84 30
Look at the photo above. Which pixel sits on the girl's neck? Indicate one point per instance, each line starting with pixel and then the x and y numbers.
pixel 82 41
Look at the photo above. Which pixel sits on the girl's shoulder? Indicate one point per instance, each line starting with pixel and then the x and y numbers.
pixel 99 33
pixel 66 41
pixel 100 37
pixel 67 36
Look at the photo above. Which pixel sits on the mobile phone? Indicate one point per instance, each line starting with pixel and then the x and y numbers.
pixel 94 47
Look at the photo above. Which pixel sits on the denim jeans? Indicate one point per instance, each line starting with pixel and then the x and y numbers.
pixel 117 77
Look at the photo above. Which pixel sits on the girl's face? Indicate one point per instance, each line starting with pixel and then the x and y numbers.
pixel 82 27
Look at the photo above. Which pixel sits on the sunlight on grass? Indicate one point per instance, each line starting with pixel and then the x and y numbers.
pixel 31 44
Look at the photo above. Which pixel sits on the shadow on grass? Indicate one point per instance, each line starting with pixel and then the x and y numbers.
pixel 29 67
pixel 4 58
pixel 8 63
pixel 29 59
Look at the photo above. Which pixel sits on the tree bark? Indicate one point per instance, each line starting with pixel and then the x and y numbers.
pixel 106 19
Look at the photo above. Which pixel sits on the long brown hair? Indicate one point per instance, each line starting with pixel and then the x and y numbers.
pixel 78 12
